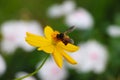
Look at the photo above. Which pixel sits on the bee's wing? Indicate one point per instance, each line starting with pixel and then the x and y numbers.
pixel 71 41
pixel 70 30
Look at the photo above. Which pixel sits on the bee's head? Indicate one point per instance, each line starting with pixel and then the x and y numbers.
pixel 60 36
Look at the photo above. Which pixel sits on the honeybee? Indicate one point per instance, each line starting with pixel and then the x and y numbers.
pixel 64 38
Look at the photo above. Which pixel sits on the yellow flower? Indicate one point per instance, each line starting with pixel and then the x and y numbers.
pixel 50 44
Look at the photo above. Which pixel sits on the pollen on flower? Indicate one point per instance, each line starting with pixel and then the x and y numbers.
pixel 54 36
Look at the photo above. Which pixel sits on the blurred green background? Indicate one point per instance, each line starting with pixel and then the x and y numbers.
pixel 105 12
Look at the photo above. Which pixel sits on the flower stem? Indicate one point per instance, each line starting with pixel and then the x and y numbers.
pixel 31 74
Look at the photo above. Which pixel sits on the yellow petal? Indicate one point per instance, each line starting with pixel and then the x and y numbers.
pixel 68 58
pixel 48 32
pixel 47 49
pixel 69 47
pixel 36 40
pixel 58 57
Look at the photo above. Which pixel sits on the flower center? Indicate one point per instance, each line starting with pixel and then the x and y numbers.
pixel 54 37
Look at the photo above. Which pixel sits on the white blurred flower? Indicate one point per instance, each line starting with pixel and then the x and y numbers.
pixel 57 10
pixel 50 71
pixel 2 65
pixel 80 18
pixel 68 6
pixel 92 56
pixel 14 33
pixel 114 31
pixel 20 74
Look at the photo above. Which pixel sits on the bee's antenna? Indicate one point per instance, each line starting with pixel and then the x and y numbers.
pixel 70 29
